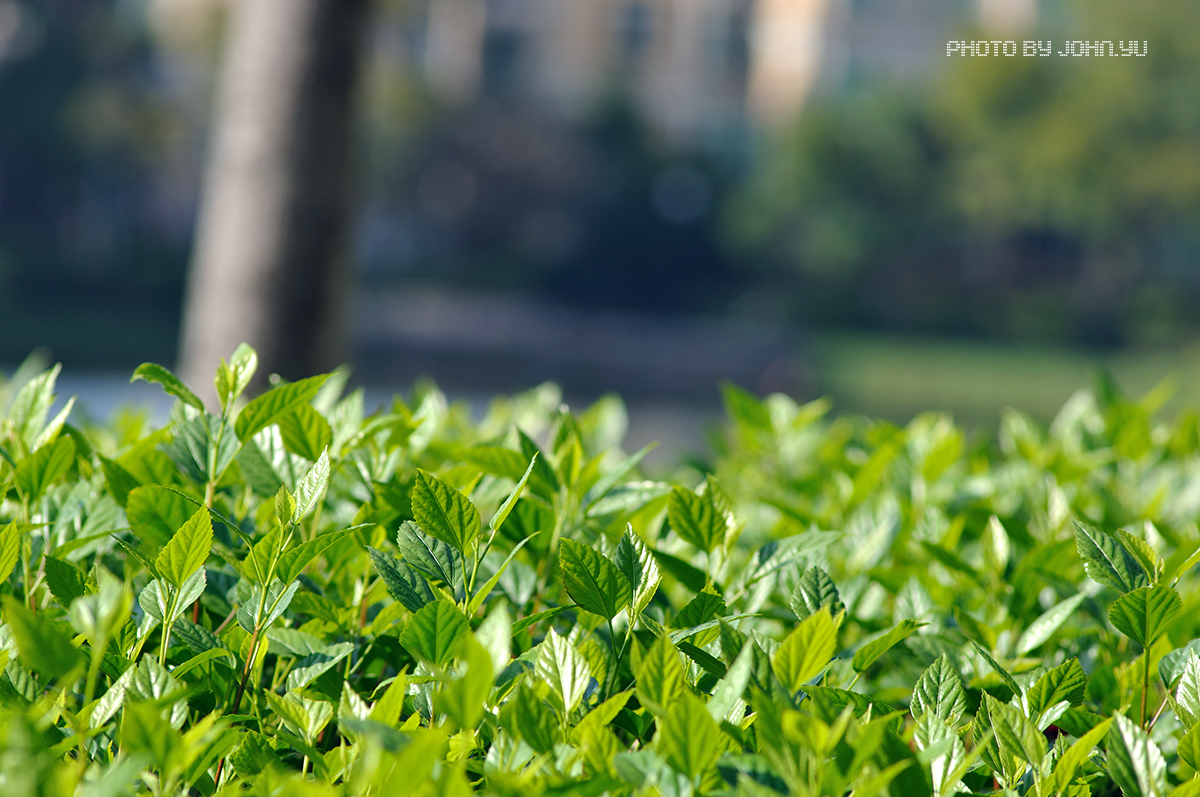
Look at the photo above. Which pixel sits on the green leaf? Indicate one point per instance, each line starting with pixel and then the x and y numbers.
pixel 1107 561
pixel 10 549
pixel 534 720
pixel 39 470
pixel 254 755
pixel 592 580
pixel 1170 666
pixel 436 560
pixel 1004 674
pixel 187 550
pixel 204 658
pixel 29 408
pixel 687 574
pixel 277 402
pixel 868 653
pixel 433 631
pixel 563 667
pixel 293 562
pixel 42 647
pixel 696 519
pixel 234 377
pixel 544 481
pixel 312 666
pixel 1044 627
pixel 806 651
pixel 1134 760
pixel 732 687
pixel 1189 747
pixel 285 507
pixel 156 598
pixel 1076 754
pixel 305 432
pixel 637 563
pixel 311 489
pixel 534 619
pixel 143 731
pixel 1066 682
pixel 1144 614
pixel 940 690
pixel 443 512
pixel 688 737
pixel 1015 733
pixel 462 699
pixel 155 513
pixel 612 478
pixel 402 581
pixel 1187 694
pixel 482 593
pixel 660 677
pixel 64 579
pixel 170 383
pixel 502 513
pixel 703 608
pixel 815 590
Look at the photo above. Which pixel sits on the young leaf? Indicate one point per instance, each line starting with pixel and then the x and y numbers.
pixel 1187 695
pixel 39 470
pixel 462 699
pixel 1189 747
pixel 696 519
pixel 187 550
pixel 1015 733
pixel 1107 561
pixel 234 377
pixel 1066 682
pixel 10 549
pixel 312 666
pixel 689 739
pixel 1134 760
pixel 311 489
pixel 402 582
pixel 940 690
pixel 592 580
pixel 305 432
pixel 42 647
pixel 170 383
pixel 703 608
pixel 1004 674
pixel 433 631
pixel 429 556
pixel 482 593
pixel 64 579
pixel 635 560
pixel 660 677
pixel 1044 627
pixel 156 513
pixel 443 512
pixel 564 668
pixel 293 562
pixel 612 478
pixel 816 589
pixel 1145 613
pixel 271 406
pixel 806 651
pixel 872 650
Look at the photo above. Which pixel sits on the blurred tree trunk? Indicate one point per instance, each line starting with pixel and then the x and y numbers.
pixel 270 264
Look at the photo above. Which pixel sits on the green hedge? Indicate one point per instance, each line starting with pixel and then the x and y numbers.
pixel 291 596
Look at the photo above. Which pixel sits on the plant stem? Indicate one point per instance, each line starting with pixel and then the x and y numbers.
pixel 1145 682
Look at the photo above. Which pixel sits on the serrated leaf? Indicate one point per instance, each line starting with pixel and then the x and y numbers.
pixel 1044 626
pixel 703 608
pixel 1077 753
pixel 433 631
pixel 1144 614
pixel 998 668
pixel 1015 733
pixel 865 656
pixel 305 432
pixel 1170 666
pixel 253 755
pixel 1134 761
pixel 10 549
pixel 940 690
pixel 1106 560
pixel 38 470
pixel 271 406
pixel 592 580
pixel 64 579
pixel 187 549
pixel 660 676
pixel 29 408
pixel 815 590
pixel 42 647
pixel 806 651
pixel 444 513
pixel 544 481
pixel 1187 694
pixel 152 372
pixel 689 739
pixel 293 562
pixel 1066 682
pixel 311 488
pixel 402 581
pixel 436 560
pixel 696 519
pixel 309 668
pixel 462 699
pixel 732 688
pixel 156 513
pixel 564 668
pixel 1189 747
pixel 234 377
pixel 637 563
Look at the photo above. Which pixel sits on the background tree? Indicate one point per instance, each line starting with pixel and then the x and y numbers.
pixel 270 264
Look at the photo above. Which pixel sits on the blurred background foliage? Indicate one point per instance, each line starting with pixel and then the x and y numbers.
pixel 1048 203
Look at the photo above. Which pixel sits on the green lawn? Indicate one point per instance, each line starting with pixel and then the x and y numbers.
pixel 897 377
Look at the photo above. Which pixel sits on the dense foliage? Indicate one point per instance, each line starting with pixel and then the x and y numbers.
pixel 291 596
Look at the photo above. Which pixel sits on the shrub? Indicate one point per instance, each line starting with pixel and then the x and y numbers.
pixel 291 596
